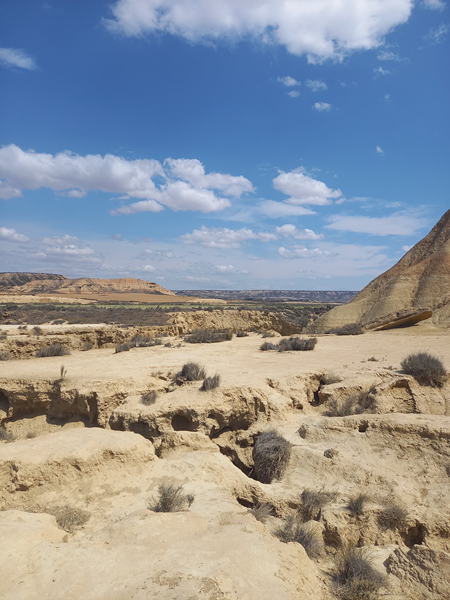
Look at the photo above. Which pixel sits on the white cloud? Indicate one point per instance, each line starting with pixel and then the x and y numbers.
pixel 12 57
pixel 387 97
pixel 294 94
pixel 117 236
pixel 11 235
pixel 315 85
pixel 290 230
pixel 384 55
pixel 395 224
pixel 437 34
pixel 379 150
pixel 157 254
pixel 145 269
pixel 275 210
pixel 381 71
pixel 288 81
pixel 185 184
pixel 321 106
pixel 303 189
pixel 434 4
pixel 222 237
pixel 323 30
pixel 62 240
pixel 406 248
pixel 303 252
pixel 224 268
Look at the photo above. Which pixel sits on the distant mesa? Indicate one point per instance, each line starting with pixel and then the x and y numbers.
pixel 417 287
pixel 45 283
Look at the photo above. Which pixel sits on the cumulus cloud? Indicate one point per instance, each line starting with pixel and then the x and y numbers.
pixel 303 252
pixel 12 57
pixel 276 210
pixel 290 230
pixel 222 237
pixel 11 235
pixel 321 106
pixel 316 85
pixel 294 94
pixel 395 224
pixel 304 189
pixel 288 81
pixel 325 30
pixel 224 268
pixel 185 184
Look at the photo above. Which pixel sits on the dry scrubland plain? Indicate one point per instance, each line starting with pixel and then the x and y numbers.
pixel 80 479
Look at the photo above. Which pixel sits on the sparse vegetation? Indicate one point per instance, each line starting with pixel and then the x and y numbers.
pixel 208 336
pixel 262 512
pixel 425 368
pixel 70 519
pixel 6 436
pixel 292 530
pixel 349 329
pixel 37 331
pixel 312 503
pixel 241 334
pixel 192 371
pixel 171 499
pixel 144 341
pixel 268 346
pixel 271 456
pixel 393 516
pixel 3 335
pixel 53 350
pixel 267 334
pixel 211 383
pixel 355 575
pixel 121 348
pixel 149 398
pixel 31 435
pixel 63 372
pixel 5 355
pixel 328 378
pixel 372 359
pixel 356 504
pixel 291 344
pixel 355 403
pixel 87 346
pixel 331 453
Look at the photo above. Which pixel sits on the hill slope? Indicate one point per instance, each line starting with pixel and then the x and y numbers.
pixel 420 279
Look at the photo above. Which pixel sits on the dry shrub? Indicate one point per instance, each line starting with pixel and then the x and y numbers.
pixel 355 575
pixel 393 516
pixel 328 378
pixel 425 368
pixel 262 512
pixel 267 334
pixel 268 346
pixel 292 530
pixel 192 371
pixel 297 344
pixel 5 355
pixel 349 329
pixel 87 346
pixel 355 403
pixel 211 383
pixel 144 341
pixel 3 335
pixel 37 330
pixel 241 334
pixel 331 453
pixel 149 398
pixel 6 436
pixel 70 518
pixel 312 503
pixel 53 350
pixel 207 336
pixel 171 499
pixel 356 504
pixel 271 456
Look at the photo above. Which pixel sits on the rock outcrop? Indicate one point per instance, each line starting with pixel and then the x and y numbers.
pixel 420 279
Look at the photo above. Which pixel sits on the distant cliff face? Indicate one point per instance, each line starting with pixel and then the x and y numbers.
pixel 421 279
pixel 43 283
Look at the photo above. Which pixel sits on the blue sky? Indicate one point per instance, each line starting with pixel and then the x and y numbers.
pixel 240 144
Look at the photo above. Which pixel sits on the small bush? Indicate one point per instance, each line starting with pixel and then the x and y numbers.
pixel 207 336
pixel 144 341
pixel 331 453
pixel 149 398
pixel 5 355
pixel 262 512
pixel 3 335
pixel 268 346
pixel 353 404
pixel 267 334
pixel 293 530
pixel 425 368
pixel 58 322
pixel 122 348
pixel 6 436
pixel 87 346
pixel 53 350
pixel 31 435
pixel 349 329
pixel 211 383
pixel 313 502
pixel 297 344
pixel 242 334
pixel 328 378
pixel 37 331
pixel 171 499
pixel 70 519
pixel 356 504
pixel 393 516
pixel 354 571
pixel 271 456
pixel 192 371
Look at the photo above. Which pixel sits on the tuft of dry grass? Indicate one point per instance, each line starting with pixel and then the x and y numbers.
pixel 355 403
pixel 349 329
pixel 171 499
pixel 292 530
pixel 355 575
pixel 262 512
pixel 425 368
pixel 211 383
pixel 393 516
pixel 69 518
pixel 207 336
pixel 192 371
pixel 312 503
pixel 328 378
pixel 53 350
pixel 5 355
pixel 149 398
pixel 356 504
pixel 271 456
pixel 121 348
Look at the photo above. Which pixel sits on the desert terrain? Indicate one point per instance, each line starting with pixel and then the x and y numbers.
pixel 84 458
